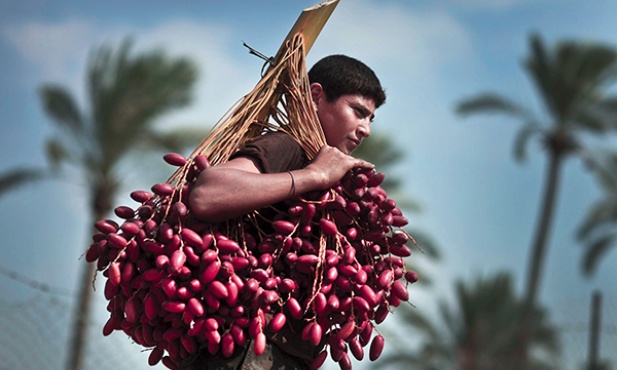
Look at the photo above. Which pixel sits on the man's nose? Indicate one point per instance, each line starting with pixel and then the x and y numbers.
pixel 364 129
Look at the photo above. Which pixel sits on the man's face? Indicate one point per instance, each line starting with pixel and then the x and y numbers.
pixel 346 121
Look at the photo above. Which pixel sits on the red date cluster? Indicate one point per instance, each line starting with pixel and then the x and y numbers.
pixel 332 262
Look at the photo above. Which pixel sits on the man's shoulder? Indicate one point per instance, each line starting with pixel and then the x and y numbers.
pixel 274 152
pixel 279 137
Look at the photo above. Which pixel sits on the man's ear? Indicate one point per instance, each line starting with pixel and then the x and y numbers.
pixel 316 92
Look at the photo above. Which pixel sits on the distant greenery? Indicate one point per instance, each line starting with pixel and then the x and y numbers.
pixel 479 330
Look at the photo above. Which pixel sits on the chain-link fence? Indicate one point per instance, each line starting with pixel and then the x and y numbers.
pixel 35 331
pixel 575 337
pixel 34 334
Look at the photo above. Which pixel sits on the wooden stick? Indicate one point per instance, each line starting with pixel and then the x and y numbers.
pixel 310 23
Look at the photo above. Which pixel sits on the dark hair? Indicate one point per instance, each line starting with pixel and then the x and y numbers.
pixel 341 75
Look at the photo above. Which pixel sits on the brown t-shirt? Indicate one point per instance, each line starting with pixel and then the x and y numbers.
pixel 273 153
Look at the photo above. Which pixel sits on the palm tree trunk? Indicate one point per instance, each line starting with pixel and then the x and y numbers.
pixel 101 206
pixel 82 316
pixel 537 257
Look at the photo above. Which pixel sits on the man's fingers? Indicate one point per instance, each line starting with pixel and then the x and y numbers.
pixel 365 164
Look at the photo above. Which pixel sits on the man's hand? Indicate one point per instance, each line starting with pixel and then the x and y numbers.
pixel 331 165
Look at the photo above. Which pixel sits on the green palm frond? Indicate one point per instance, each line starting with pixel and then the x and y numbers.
pixel 15 178
pixel 592 65
pixel 56 152
pixel 380 151
pixel 606 113
pixel 598 230
pixel 594 251
pixel 491 103
pixel 402 198
pixel 538 65
pixel 59 105
pixel 481 323
pixel 599 216
pixel 397 360
pixel 597 117
pixel 425 243
pixel 522 140
pixel 130 92
pixel 424 277
pixel 606 173
pixel 420 323
pixel 182 140
pixel 571 77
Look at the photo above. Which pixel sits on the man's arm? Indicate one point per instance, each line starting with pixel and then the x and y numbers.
pixel 238 187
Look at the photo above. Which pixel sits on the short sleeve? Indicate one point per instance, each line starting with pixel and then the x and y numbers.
pixel 273 152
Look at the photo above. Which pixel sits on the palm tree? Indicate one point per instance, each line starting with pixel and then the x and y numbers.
pixel 572 81
pixel 126 93
pixel 598 232
pixel 476 332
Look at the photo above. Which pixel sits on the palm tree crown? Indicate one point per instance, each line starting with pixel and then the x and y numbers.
pixel 572 80
pixel 126 94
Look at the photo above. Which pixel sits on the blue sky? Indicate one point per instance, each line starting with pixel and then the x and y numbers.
pixel 478 204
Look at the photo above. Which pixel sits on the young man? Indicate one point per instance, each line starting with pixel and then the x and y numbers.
pixel 273 168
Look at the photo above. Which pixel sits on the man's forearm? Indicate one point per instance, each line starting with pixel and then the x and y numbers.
pixel 222 193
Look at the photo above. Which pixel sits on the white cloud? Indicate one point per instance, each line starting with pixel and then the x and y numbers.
pixel 222 80
pixel 394 35
pixel 58 52
pixel 407 46
pixel 53 48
